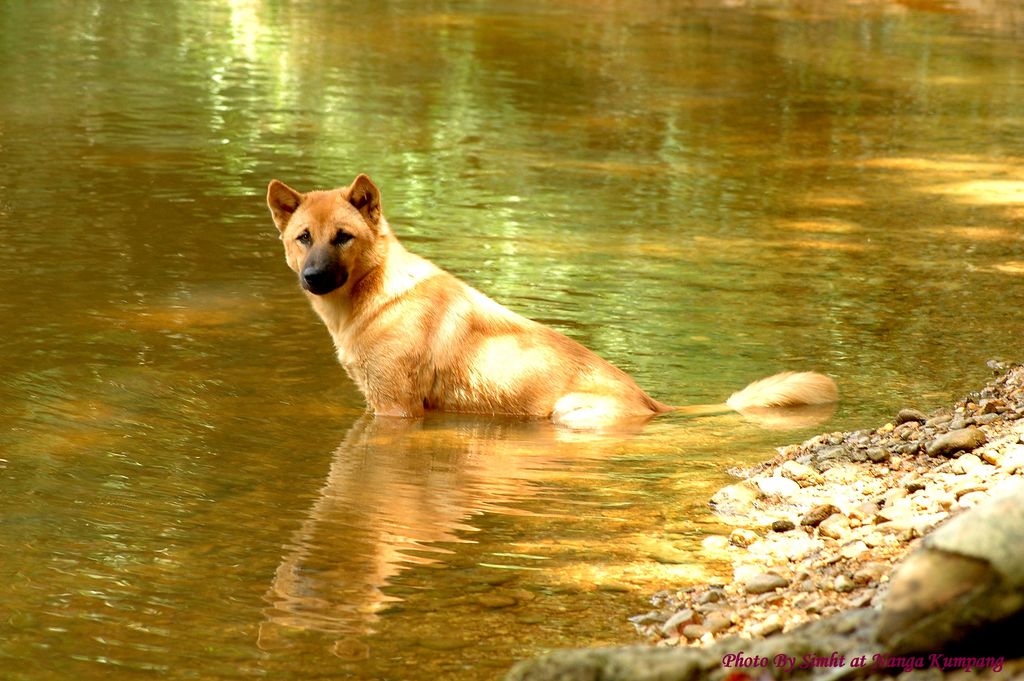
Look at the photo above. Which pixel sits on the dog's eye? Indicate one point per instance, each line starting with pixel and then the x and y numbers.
pixel 305 238
pixel 342 238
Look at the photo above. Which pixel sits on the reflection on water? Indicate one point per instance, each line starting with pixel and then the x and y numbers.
pixel 407 496
pixel 703 192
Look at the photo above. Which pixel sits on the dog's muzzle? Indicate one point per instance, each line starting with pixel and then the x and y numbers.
pixel 321 273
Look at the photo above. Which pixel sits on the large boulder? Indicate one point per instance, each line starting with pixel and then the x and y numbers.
pixel 964 579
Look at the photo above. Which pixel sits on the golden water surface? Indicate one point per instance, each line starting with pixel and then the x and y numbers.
pixel 702 192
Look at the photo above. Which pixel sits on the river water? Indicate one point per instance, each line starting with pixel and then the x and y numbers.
pixel 702 192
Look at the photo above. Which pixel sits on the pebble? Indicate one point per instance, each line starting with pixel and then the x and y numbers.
pixel 712 595
pixel 693 631
pixel 877 455
pixel 777 486
pixel 671 626
pixel 853 549
pixel 765 582
pixel 743 537
pixel 962 439
pixel 910 415
pixel 816 515
pixel 770 626
pixel 836 526
pixel 803 474
pixel 843 584
pixel 965 463
pixel 1013 459
pixel 784 525
pixel 717 621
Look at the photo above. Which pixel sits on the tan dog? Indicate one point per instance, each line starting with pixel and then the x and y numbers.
pixel 413 337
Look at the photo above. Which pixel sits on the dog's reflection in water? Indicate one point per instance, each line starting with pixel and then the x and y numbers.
pixel 396 490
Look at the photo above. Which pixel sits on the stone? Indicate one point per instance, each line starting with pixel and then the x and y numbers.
pixel 737 499
pixel 965 463
pixel 693 631
pixel 672 624
pixel 853 550
pixel 1013 459
pixel 765 582
pixel 770 626
pixel 816 515
pixel 804 475
pixel 843 584
pixel 717 621
pixel 966 576
pixel 777 486
pixel 742 537
pixel 836 526
pixel 910 415
pixel 960 440
pixel 870 572
pixel 877 455
pixel 783 525
pixel 712 596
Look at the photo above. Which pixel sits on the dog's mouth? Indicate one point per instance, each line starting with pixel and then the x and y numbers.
pixel 320 282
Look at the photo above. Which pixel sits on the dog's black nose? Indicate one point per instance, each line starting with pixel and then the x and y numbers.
pixel 322 280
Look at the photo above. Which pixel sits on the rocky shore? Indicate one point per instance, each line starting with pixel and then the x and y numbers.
pixel 839 568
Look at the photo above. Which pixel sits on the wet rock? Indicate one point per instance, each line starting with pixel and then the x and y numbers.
pixel 816 515
pixel 966 575
pixel 910 415
pixel 765 582
pixel 960 440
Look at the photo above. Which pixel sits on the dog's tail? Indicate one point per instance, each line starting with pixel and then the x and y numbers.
pixel 781 391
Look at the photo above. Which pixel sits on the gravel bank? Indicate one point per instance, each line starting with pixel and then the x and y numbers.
pixel 818 532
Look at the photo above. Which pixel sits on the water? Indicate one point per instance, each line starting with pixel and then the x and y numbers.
pixel 702 192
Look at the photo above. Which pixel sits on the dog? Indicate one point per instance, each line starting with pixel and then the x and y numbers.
pixel 415 338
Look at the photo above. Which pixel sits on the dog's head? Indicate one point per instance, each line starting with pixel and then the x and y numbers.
pixel 330 237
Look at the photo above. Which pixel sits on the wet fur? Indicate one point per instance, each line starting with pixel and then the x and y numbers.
pixel 414 338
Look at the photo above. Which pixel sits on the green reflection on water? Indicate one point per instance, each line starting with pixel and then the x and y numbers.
pixel 703 194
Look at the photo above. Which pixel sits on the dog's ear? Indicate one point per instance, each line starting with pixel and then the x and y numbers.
pixel 364 195
pixel 283 202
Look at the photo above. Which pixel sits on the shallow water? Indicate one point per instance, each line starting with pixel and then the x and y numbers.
pixel 702 192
